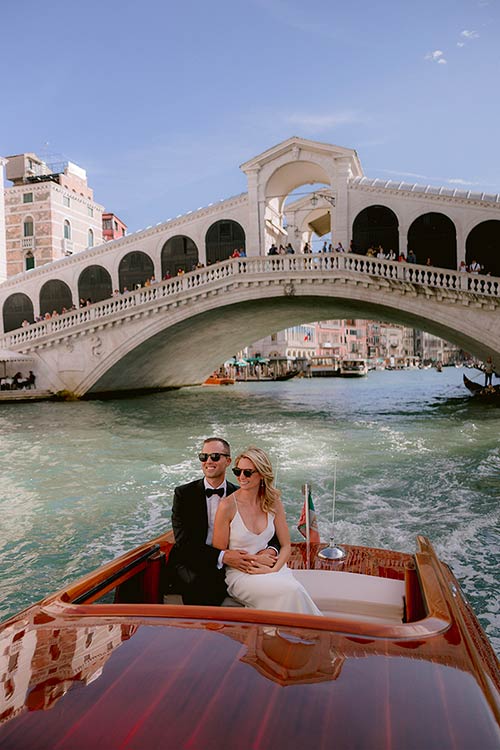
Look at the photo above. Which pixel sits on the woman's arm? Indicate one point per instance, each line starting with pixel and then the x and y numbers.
pixel 221 525
pixel 283 534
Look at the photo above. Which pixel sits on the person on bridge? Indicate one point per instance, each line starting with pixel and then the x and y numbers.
pixel 195 567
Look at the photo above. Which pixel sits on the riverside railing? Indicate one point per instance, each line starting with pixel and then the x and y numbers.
pixel 163 291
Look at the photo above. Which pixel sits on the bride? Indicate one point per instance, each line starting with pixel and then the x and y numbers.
pixel 247 520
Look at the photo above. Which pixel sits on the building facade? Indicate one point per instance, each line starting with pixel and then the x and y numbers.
pixel 49 212
pixel 112 227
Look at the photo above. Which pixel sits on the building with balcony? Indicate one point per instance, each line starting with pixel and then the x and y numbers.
pixel 112 227
pixel 50 212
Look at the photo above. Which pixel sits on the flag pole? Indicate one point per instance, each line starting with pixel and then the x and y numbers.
pixel 332 552
pixel 306 501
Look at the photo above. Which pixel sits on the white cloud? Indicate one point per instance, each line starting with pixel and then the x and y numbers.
pixel 469 34
pixel 320 122
pixel 436 56
pixel 459 181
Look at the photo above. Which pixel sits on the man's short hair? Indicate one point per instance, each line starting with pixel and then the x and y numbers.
pixel 218 440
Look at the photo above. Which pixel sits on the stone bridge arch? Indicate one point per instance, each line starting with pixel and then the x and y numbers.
pixel 158 352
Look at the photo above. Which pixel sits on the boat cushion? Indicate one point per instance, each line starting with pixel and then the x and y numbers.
pixel 363 596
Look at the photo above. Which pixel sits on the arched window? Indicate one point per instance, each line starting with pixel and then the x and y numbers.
pixel 433 235
pixel 16 309
pixel 374 226
pixel 222 238
pixel 67 230
pixel 135 268
pixel 178 252
pixel 94 283
pixel 483 246
pixel 28 227
pixel 29 261
pixel 54 295
pixel 90 238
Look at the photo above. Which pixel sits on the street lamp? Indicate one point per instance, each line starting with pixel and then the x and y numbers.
pixel 329 198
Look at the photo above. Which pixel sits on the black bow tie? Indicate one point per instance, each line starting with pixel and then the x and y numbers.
pixel 219 492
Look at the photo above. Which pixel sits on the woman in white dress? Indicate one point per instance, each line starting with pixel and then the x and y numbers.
pixel 247 520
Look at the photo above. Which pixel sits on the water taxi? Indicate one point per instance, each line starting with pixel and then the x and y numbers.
pixel 353 368
pixel 325 367
pixel 398 660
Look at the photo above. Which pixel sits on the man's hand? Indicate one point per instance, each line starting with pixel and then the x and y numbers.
pixel 267 557
pixel 239 559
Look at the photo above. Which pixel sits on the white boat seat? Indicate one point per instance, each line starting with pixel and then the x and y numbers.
pixel 362 596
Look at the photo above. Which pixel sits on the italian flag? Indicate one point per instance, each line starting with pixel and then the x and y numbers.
pixel 308 510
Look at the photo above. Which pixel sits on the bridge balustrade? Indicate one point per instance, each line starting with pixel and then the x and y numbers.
pixel 256 266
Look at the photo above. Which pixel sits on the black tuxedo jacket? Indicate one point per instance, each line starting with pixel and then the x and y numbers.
pixel 190 526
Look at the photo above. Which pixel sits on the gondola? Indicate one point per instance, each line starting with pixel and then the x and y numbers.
pixel 398 660
pixel 491 392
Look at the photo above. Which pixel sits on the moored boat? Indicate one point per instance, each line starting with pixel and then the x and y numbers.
pixel 398 660
pixel 325 367
pixel 353 368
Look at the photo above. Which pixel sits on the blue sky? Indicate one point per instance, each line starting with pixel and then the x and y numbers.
pixel 161 102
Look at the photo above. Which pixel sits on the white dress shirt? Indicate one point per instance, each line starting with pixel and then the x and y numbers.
pixel 212 505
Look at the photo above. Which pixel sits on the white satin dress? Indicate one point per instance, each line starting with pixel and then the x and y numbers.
pixel 277 591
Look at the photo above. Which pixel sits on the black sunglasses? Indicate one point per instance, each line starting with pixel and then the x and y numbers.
pixel 214 456
pixel 246 472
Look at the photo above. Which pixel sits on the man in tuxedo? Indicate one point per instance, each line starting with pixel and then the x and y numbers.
pixel 195 568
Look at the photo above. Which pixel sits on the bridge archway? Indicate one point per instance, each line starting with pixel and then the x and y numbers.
pixel 178 252
pixel 483 245
pixel 376 225
pixel 135 268
pixel 94 283
pixel 222 238
pixel 16 309
pixel 55 295
pixel 433 235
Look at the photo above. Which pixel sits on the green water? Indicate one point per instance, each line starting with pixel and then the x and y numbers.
pixel 83 482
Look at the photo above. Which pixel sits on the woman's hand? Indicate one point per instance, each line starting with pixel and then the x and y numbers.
pixel 257 568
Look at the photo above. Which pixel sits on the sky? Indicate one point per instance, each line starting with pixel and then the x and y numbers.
pixel 162 101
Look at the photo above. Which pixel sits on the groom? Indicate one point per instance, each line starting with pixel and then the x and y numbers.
pixel 195 567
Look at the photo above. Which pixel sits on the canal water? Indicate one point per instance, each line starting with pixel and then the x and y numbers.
pixel 82 482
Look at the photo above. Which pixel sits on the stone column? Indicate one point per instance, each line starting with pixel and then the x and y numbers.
pixel 254 238
pixel 461 239
pixel 3 238
pixel 339 214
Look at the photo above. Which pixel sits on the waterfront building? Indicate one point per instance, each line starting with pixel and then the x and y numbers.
pixel 379 343
pixel 49 212
pixel 112 227
pixel 433 349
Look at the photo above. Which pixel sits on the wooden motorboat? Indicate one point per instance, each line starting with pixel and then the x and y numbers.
pixel 398 661
pixel 481 391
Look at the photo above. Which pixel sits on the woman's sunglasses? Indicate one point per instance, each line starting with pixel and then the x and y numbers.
pixel 246 472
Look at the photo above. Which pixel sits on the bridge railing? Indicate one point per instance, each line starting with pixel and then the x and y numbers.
pixel 261 265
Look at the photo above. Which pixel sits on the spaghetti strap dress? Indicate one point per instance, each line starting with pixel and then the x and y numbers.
pixel 275 591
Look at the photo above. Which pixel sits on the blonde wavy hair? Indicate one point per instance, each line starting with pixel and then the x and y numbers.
pixel 268 493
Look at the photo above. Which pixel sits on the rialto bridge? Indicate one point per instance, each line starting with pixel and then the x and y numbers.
pixel 175 331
